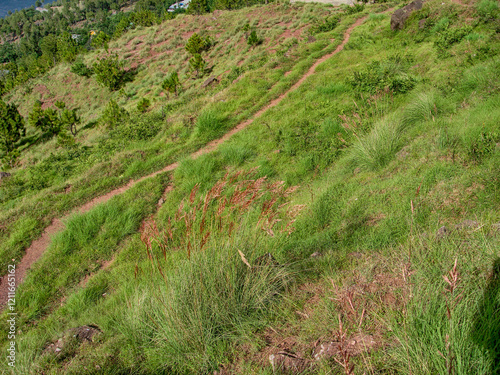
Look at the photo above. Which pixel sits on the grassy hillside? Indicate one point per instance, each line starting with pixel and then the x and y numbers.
pixel 353 228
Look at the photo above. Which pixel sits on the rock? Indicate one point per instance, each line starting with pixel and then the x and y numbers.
pixel 4 174
pixel 288 363
pixel 72 339
pixel 467 224
pixel 421 24
pixel 160 202
pixel 209 81
pixel 316 254
pixel 400 16
pixel 442 232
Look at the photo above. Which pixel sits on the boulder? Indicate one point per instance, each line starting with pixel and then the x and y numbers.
pixel 209 81
pixel 400 16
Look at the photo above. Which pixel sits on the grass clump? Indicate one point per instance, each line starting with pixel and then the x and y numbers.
pixel 209 124
pixel 377 148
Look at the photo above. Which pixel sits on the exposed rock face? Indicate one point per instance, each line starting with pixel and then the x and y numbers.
pixel 400 16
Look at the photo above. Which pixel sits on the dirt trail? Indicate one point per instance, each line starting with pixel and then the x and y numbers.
pixel 37 247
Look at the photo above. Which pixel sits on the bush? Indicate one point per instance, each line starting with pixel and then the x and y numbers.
pixel 197 64
pixel 143 105
pixel 324 26
pixel 253 39
pixel 113 115
pixel 172 83
pixel 487 9
pixel 452 36
pixel 387 74
pixel 196 44
pixel 109 73
pixel 79 68
pixel 353 9
pixel 11 126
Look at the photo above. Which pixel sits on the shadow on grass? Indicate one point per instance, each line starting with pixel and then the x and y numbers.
pixel 486 329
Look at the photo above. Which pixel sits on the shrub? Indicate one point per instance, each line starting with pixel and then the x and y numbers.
pixel 113 115
pixel 197 64
pixel 196 44
pixel 46 120
pixel 79 68
pixel 172 83
pixel 326 25
pixel 452 36
pixel 253 39
pixel 11 126
pixel 143 105
pixel 100 40
pixel 353 9
pixel 389 73
pixel 109 72
pixel 487 9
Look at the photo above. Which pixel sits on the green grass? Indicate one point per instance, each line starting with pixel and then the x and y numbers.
pixel 427 157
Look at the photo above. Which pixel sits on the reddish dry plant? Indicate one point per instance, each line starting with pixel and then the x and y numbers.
pixel 219 212
pixel 453 281
pixel 347 304
pixel 344 357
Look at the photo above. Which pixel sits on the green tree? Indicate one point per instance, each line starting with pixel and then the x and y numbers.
pixel 11 126
pixel 253 39
pixel 171 84
pixel 100 40
pixel 109 72
pixel 46 120
pixel 197 7
pixel 66 47
pixel 113 115
pixel 198 65
pixel 196 44
pixel 144 18
pixel 48 46
pixel 68 118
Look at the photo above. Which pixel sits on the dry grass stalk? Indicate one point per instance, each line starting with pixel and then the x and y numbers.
pixel 344 359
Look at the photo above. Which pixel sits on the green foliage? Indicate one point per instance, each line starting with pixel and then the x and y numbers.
pixel 198 7
pixel 109 72
pixel 45 120
pixel 209 124
pixel 377 148
pixel 48 46
pixel 196 44
pixel 11 126
pixel 451 36
pixel 253 40
pixel 143 105
pixel 197 64
pixel 67 48
pixel 81 69
pixel 100 40
pixel 353 9
pixel 172 84
pixel 139 127
pixel 144 18
pixel 53 122
pixel 323 26
pixel 113 115
pixel 481 145
pixel 487 9
pixel 390 73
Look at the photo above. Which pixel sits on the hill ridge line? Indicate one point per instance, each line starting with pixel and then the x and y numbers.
pixel 38 246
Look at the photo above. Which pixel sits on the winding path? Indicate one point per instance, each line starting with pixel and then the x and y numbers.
pixel 38 247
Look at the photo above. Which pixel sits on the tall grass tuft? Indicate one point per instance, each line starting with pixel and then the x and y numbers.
pixel 209 125
pixel 377 148
pixel 221 283
pixel 422 108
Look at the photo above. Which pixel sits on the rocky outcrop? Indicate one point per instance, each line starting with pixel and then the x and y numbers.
pixel 400 16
